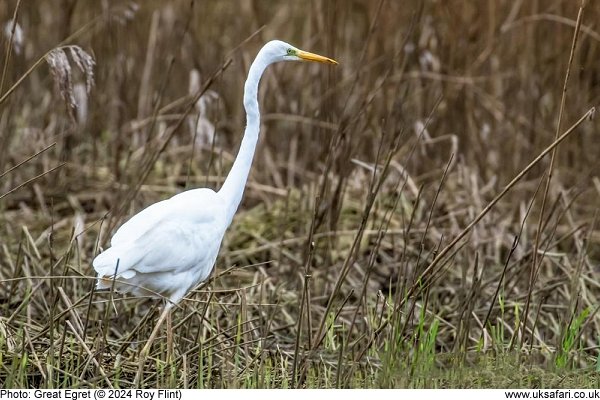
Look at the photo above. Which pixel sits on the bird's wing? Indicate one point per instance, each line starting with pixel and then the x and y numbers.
pixel 141 222
pixel 172 235
pixel 199 201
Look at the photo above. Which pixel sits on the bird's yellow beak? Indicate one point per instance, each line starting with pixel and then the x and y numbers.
pixel 305 55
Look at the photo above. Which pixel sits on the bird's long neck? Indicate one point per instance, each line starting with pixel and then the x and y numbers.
pixel 233 187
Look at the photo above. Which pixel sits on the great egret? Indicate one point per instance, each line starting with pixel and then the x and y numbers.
pixel 171 246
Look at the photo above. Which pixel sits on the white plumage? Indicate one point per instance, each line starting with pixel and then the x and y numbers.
pixel 168 248
pixel 171 246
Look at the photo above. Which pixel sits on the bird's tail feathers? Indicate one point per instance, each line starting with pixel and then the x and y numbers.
pixel 115 260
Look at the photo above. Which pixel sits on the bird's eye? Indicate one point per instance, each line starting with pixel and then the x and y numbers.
pixel 290 52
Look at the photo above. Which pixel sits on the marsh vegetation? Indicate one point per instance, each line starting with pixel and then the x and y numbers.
pixel 382 241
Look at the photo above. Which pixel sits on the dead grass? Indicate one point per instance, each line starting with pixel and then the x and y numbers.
pixel 366 253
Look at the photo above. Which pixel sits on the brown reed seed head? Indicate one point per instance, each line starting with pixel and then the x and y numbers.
pixel 60 67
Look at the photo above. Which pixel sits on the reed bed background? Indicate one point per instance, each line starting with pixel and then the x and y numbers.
pixel 348 264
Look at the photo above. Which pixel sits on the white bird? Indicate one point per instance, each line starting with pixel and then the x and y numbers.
pixel 170 247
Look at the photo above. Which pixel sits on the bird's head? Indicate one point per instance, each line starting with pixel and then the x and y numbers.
pixel 276 50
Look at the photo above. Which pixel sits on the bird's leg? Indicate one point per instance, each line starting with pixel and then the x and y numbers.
pixel 161 319
pixel 146 350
